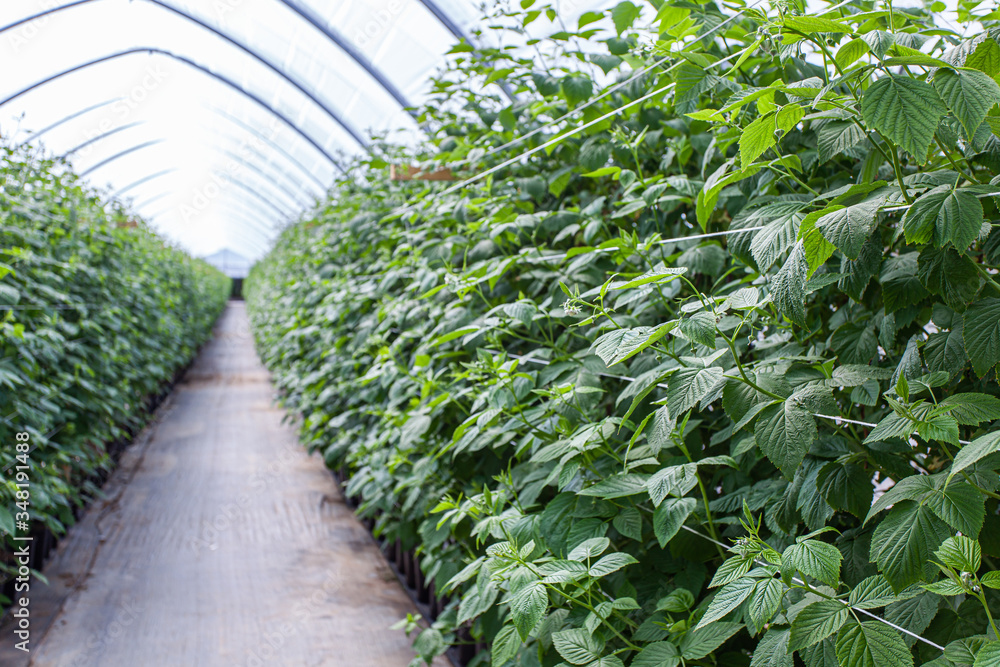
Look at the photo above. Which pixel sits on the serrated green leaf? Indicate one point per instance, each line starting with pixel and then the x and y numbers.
pixel 969 95
pixel 784 432
pixel 871 644
pixel 817 622
pixel 981 332
pixel 905 110
pixel 904 542
pixel 816 559
pixel 944 215
pixel 670 516
pixel 527 607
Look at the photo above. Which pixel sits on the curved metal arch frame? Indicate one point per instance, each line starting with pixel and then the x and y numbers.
pixel 270 142
pixel 256 213
pixel 277 69
pixel 303 12
pixel 334 36
pixel 101 137
pixel 119 155
pixel 246 215
pixel 65 119
pixel 309 194
pixel 142 181
pixel 275 168
pixel 257 195
pixel 219 77
pixel 267 178
pixel 456 30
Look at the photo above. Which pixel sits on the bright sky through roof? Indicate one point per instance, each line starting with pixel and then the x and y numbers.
pixel 220 139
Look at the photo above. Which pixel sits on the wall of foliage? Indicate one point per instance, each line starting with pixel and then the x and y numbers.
pixel 710 380
pixel 97 313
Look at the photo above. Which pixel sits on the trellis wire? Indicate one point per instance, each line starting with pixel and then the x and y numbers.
pixel 844 602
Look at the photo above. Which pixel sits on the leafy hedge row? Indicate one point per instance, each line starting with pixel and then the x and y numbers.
pixel 97 313
pixel 617 444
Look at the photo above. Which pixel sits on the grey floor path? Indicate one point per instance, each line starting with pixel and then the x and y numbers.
pixel 221 542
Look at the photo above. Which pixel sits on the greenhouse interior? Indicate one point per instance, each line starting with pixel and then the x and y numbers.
pixel 499 333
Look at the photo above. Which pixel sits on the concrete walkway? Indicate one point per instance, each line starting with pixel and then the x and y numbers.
pixel 221 542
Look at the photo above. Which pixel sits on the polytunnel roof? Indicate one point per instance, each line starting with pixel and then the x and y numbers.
pixel 222 120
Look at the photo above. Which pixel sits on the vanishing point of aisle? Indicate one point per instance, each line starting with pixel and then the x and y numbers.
pixel 221 542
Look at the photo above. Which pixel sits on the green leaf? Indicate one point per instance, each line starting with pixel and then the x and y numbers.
pixel 527 607
pixel 986 57
pixel 978 449
pixel 981 332
pixel 784 432
pixel 817 622
pixel 756 138
pixel 658 275
pixel 848 227
pixel 772 650
pixel 628 522
pixel 969 94
pixel 960 552
pixel 872 593
pixel 621 344
pixel 624 15
pixel 595 546
pixel 670 516
pixel 577 88
pixel 989 655
pixel 700 642
pixel 991 579
pixel 846 487
pixel 505 646
pixel 728 599
pixel 618 486
pixel 576 646
pixel 904 541
pixel 972 408
pixel 788 285
pixel 871 644
pixel 672 481
pixel 849 53
pixel 611 563
pixel 960 505
pixel 949 274
pixel 688 386
pixel 819 560
pixel 765 601
pixel 944 215
pixel 657 654
pixel 811 24
pixel 699 327
pixel 905 110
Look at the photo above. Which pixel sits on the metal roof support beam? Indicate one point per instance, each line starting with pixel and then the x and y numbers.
pixel 100 137
pixel 145 179
pixel 261 198
pixel 270 142
pixel 219 77
pixel 456 30
pixel 122 154
pixel 269 179
pixel 355 55
pixel 277 69
pixel 66 119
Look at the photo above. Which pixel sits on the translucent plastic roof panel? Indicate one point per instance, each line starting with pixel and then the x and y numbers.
pixel 222 121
